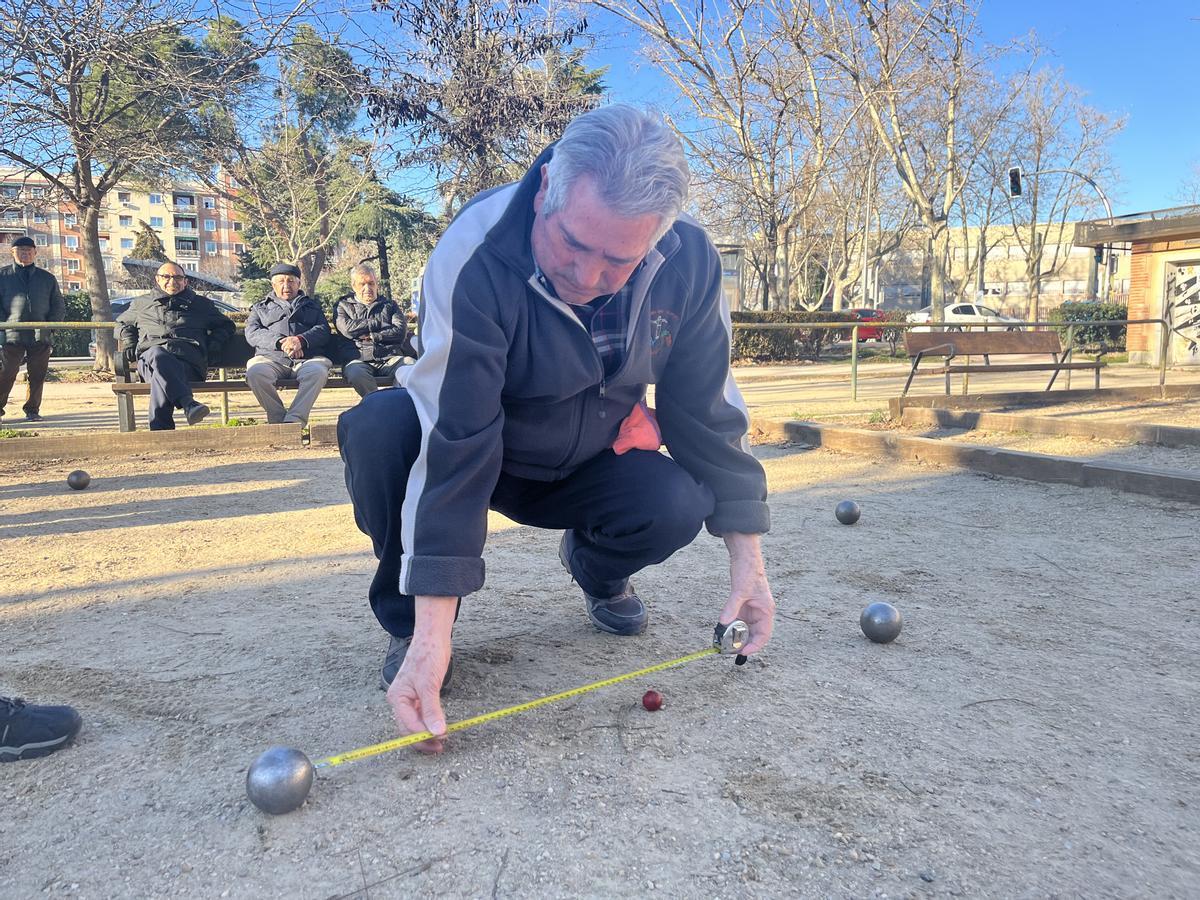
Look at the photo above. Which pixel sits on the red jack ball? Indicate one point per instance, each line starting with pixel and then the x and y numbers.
pixel 652 700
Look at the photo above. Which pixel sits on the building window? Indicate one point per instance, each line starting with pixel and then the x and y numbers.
pixel 11 215
pixel 126 221
pixel 72 242
pixel 210 224
pixel 69 220
pixel 210 247
pixel 191 266
pixel 103 245
pixel 210 202
pixel 41 240
pixel 126 243
pixel 156 198
pixel 239 248
pixel 39 218
pixel 37 192
pixel 10 191
pixel 72 265
pixel 74 285
pixel 237 226
pixel 156 222
pixel 123 196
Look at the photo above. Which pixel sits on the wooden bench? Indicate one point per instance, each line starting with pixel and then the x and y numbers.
pixel 234 355
pixel 948 346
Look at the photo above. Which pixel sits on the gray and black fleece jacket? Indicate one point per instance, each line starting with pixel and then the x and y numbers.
pixel 509 380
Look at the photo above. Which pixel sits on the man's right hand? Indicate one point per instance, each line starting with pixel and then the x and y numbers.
pixel 415 693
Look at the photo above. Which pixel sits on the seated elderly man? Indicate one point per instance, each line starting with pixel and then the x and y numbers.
pixel 174 332
pixel 378 329
pixel 288 331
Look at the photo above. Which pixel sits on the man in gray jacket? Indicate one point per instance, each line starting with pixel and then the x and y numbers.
pixel 27 294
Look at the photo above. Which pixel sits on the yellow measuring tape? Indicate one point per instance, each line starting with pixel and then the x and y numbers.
pixel 409 740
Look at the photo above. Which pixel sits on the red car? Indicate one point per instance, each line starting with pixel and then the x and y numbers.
pixel 870 332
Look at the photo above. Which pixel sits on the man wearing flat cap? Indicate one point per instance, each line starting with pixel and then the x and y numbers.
pixel 289 332
pixel 27 294
pixel 174 332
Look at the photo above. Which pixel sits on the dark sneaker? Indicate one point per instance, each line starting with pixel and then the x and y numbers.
pixel 396 651
pixel 196 412
pixel 28 731
pixel 624 614
pixel 33 417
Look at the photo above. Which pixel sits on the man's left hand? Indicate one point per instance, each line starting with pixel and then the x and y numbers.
pixel 292 346
pixel 750 595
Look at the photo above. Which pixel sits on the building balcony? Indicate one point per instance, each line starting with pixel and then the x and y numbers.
pixel 187 254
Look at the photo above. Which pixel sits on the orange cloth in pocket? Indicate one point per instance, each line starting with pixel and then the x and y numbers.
pixel 639 431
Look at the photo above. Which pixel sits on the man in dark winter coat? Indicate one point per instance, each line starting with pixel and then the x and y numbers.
pixel 378 328
pixel 289 332
pixel 27 294
pixel 174 332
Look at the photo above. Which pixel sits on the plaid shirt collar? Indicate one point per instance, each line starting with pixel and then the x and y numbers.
pixel 607 320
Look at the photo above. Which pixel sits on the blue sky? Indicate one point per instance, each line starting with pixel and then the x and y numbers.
pixel 1133 58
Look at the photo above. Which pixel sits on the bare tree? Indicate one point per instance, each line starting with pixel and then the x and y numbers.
pixel 99 91
pixel 914 64
pixel 756 117
pixel 1052 128
pixel 1189 188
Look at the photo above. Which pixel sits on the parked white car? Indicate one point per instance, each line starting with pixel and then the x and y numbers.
pixel 959 314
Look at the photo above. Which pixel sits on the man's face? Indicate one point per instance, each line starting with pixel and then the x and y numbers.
pixel 585 249
pixel 366 289
pixel 286 287
pixel 171 279
pixel 24 256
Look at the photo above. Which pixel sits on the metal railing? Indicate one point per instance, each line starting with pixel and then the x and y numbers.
pixel 1071 325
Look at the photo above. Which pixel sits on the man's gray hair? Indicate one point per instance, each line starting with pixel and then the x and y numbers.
pixel 635 161
pixel 362 269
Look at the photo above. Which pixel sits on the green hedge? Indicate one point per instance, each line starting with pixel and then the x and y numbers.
pixel 74 343
pixel 1111 336
pixel 782 345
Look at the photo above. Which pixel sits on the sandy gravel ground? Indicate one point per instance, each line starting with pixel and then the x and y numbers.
pixel 1033 732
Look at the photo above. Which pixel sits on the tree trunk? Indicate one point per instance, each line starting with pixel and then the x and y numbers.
pixel 940 241
pixel 96 283
pixel 385 275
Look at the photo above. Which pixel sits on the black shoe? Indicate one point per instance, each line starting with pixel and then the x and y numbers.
pixel 195 412
pixel 33 417
pixel 396 651
pixel 624 614
pixel 28 731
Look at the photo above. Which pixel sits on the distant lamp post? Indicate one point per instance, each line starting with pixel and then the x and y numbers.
pixel 1014 190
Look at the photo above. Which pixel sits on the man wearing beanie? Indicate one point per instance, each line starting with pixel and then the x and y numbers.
pixel 27 294
pixel 288 331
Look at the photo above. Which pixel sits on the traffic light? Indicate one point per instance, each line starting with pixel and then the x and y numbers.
pixel 1014 181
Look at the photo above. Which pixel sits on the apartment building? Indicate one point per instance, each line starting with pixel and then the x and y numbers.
pixel 198 226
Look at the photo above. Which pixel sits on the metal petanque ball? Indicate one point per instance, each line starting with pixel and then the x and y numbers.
pixel 78 480
pixel 279 780
pixel 847 512
pixel 881 622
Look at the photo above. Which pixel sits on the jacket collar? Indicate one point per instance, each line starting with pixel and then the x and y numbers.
pixel 186 294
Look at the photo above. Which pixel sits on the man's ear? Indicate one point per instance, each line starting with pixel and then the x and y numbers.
pixel 540 197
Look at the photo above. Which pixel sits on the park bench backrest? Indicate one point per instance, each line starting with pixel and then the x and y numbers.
pixel 977 343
